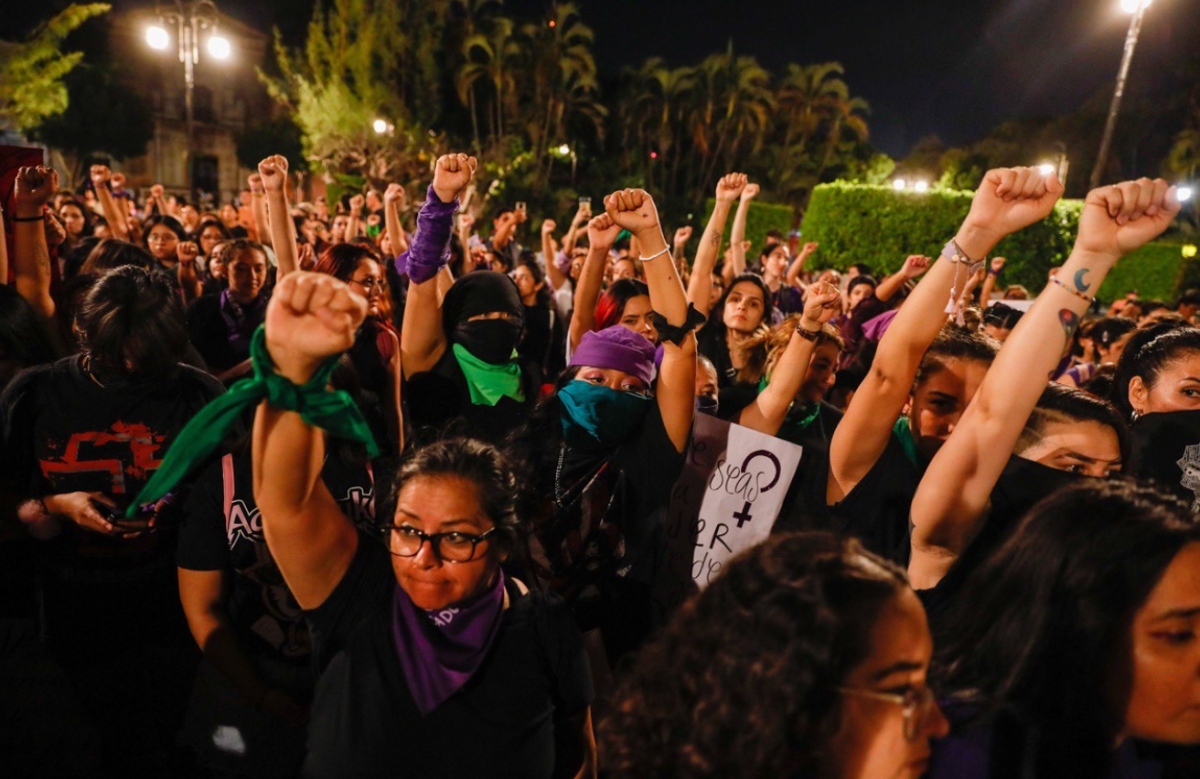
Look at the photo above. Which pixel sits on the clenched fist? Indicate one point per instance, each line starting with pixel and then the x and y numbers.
pixel 451 175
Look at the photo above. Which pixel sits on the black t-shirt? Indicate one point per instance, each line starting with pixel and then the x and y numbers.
pixel 877 509
pixel 542 341
pixel 501 724
pixel 222 531
pixel 438 397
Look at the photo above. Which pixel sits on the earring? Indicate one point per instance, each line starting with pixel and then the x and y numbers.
pixel 1135 416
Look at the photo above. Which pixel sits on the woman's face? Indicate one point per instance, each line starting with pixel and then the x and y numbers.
pixel 860 293
pixel 940 399
pixel 611 378
pixel 337 231
pixel 210 236
pixel 775 264
pixel 577 260
pixel 822 372
pixel 1111 354
pixel 636 317
pixel 1087 448
pixel 870 742
pixel 624 269
pixel 72 219
pixel 247 274
pixel 1164 696
pixel 717 290
pixel 367 280
pixel 744 307
pixel 216 264
pixel 706 381
pixel 1177 387
pixel 526 284
pixel 162 242
pixel 442 504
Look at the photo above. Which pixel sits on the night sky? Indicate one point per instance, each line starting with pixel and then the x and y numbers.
pixel 952 68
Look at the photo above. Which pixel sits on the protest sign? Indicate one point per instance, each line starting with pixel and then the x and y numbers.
pixel 725 501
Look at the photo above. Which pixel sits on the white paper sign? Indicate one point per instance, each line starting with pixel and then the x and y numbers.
pixel 725 501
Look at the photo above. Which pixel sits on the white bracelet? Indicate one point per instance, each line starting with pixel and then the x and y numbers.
pixel 656 255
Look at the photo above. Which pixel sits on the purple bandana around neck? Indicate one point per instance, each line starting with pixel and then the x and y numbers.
pixel 441 650
pixel 241 321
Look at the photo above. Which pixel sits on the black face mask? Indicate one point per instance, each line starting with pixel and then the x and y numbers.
pixel 1022 484
pixel 706 405
pixel 491 340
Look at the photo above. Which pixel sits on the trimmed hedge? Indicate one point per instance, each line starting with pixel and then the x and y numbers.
pixel 1157 271
pixel 880 226
pixel 761 218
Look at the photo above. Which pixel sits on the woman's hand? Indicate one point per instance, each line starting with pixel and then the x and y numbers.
pixel 682 236
pixel 100 175
pixel 273 172
pixel 80 508
pixel 602 233
pixel 33 189
pixel 730 187
pixel 452 174
pixel 1120 218
pixel 1008 199
pixel 632 210
pixel 187 252
pixel 821 302
pixel 311 316
pixel 307 259
pixel 914 266
pixel 394 197
pixel 750 192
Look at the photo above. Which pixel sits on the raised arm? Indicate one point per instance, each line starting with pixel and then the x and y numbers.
pixel 768 411
pixel 602 233
pixel 274 173
pixel 258 207
pixel 737 237
pixel 187 252
pixel 553 272
pixel 634 210
pixel 989 283
pixel 116 217
pixel 953 494
pixel 700 285
pixel 311 317
pixel 913 267
pixel 999 208
pixel 582 215
pixel 422 341
pixel 679 250
pixel 797 267
pixel 31 255
pixel 394 199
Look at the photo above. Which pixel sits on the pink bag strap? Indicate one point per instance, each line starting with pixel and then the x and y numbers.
pixel 227 481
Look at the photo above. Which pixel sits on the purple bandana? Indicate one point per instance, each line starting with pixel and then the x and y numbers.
pixel 441 650
pixel 618 348
pixel 429 249
pixel 241 321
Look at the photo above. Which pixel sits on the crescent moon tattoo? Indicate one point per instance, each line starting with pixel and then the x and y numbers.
pixel 1079 282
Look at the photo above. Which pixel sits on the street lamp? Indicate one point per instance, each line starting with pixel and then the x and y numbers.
pixel 189 17
pixel 1138 9
pixel 899 184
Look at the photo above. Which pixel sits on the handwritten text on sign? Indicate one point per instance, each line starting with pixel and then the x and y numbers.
pixel 726 500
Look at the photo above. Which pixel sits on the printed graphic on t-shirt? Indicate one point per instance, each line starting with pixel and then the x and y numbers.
pixel 1190 465
pixel 127 452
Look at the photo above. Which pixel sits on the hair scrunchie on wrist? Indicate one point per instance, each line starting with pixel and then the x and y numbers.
pixel 333 411
pixel 673 334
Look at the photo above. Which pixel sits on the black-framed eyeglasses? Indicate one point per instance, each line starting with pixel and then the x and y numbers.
pixel 915 705
pixel 452 547
pixel 369 285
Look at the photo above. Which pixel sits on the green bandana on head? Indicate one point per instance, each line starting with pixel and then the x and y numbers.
pixel 903 431
pixel 332 411
pixel 489 383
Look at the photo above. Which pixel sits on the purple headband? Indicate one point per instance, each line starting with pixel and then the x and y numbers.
pixel 618 348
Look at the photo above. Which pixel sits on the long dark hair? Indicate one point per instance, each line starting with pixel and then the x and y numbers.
pixel 743 680
pixel 1042 628
pixel 24 339
pixel 611 305
pixel 1067 404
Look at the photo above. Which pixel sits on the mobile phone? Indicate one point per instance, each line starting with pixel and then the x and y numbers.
pixel 585 201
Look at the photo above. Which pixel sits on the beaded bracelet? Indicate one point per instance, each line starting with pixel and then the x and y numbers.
pixel 1084 297
pixel 808 335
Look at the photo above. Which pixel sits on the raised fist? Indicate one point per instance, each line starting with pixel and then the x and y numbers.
pixel 809 248
pixel 914 266
pixel 548 226
pixel 307 258
pixel 118 180
pixel 311 316
pixel 683 235
pixel 451 175
pixel 750 191
pixel 157 191
pixel 394 197
pixel 256 184
pixel 273 172
pixel 356 204
pixel 1009 199
pixel 632 209
pixel 821 302
pixel 1122 217
pixel 730 187
pixel 187 252
pixel 602 232
pixel 101 175
pixel 56 232
pixel 997 264
pixel 33 189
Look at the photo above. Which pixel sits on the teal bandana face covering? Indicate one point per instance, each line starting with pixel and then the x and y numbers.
pixel 598 415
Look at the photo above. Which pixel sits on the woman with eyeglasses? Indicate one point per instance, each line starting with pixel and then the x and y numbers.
pixel 807 657
pixel 433 661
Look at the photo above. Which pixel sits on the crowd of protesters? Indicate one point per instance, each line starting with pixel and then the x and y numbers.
pixel 369 489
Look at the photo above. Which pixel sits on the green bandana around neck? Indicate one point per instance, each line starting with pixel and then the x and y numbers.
pixel 332 411
pixel 903 432
pixel 798 417
pixel 489 383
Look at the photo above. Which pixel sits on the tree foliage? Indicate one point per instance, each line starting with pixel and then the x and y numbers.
pixel 102 117
pixel 32 73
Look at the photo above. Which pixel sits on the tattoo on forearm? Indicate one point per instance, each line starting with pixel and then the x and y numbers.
pixel 1069 321
pixel 1080 284
pixel 714 238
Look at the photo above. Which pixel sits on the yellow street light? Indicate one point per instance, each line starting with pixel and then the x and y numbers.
pixel 157 37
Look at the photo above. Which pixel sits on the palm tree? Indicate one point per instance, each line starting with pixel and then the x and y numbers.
pixel 475 15
pixel 488 55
